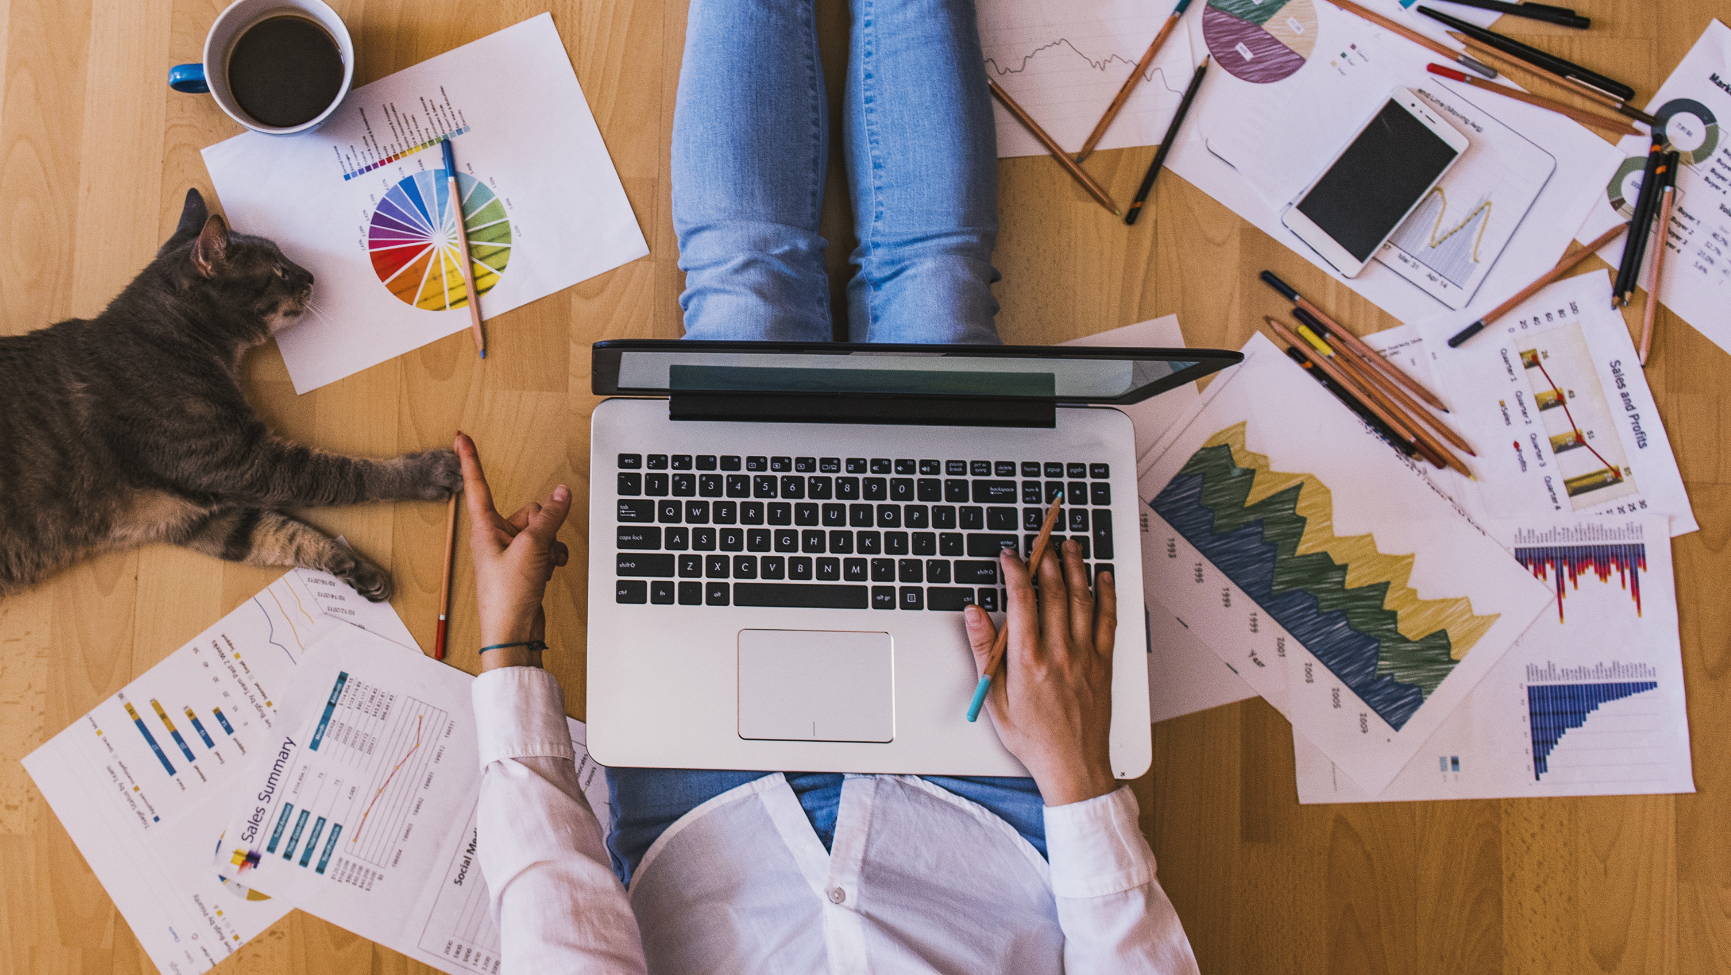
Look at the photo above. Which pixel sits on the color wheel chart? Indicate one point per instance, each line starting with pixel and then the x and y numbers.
pixel 1584 444
pixel 1260 42
pixel 1271 533
pixel 1584 731
pixel 412 239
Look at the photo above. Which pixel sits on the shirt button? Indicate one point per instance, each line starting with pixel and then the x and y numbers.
pixel 837 895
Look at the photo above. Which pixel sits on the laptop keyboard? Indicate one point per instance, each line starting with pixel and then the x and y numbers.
pixel 887 533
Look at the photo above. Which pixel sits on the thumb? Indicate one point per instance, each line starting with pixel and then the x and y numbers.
pixel 544 524
pixel 981 634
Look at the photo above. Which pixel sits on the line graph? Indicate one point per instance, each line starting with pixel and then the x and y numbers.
pixel 1098 63
pixel 362 825
pixel 1455 250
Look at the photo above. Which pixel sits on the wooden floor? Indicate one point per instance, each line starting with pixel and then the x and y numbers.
pixel 94 157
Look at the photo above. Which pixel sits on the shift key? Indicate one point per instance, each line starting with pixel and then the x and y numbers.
pixel 644 564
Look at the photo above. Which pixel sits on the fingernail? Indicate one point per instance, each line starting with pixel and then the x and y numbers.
pixel 561 493
pixel 971 616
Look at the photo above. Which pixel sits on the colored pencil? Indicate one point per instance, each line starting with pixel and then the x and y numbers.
pixel 996 657
pixel 1057 152
pixel 1530 54
pixel 445 578
pixel 1667 199
pixel 1166 142
pixel 1360 365
pixel 1629 267
pixel 1532 11
pixel 1353 342
pixel 1461 57
pixel 1530 75
pixel 1562 267
pixel 1136 76
pixel 1370 419
pixel 1581 115
pixel 473 300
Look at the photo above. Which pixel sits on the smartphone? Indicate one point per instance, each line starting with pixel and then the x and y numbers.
pixel 1387 167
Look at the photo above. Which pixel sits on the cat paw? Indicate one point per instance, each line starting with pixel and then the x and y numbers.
pixel 434 475
pixel 372 582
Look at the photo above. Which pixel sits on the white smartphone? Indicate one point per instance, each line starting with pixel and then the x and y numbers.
pixel 1387 167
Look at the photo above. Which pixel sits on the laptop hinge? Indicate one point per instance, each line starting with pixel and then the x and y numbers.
pixel 966 411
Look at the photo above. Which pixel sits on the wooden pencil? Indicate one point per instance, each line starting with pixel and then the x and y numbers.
pixel 1130 83
pixel 1348 339
pixel 996 657
pixel 1461 57
pixel 445 578
pixel 1581 115
pixel 471 299
pixel 1076 172
pixel 1513 69
pixel 1562 267
pixel 1663 230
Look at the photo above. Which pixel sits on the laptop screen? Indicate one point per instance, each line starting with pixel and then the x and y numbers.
pixel 1066 375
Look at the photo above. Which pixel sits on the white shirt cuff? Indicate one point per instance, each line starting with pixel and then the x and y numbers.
pixel 1096 846
pixel 519 713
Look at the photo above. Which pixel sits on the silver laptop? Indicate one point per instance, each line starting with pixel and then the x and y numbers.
pixel 782 538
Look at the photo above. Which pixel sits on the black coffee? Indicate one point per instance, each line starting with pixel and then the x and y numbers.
pixel 285 70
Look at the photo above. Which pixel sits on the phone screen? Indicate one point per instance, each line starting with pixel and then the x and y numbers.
pixel 1376 180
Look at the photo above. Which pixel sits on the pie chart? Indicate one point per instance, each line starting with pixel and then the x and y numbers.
pixel 412 239
pixel 1260 42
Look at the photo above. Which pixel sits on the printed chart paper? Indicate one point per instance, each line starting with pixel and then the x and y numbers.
pixel 362 202
pixel 1693 107
pixel 1065 62
pixel 1334 578
pixel 1552 397
pixel 363 810
pixel 1589 701
pixel 144 781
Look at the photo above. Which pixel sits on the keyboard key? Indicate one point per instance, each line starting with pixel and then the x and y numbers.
pixel 906 466
pixel 1075 493
pixel 793 487
pixel 1031 493
pixel 840 542
pixel 1100 494
pixel 937 570
pixel 691 594
pixel 889 516
pixel 943 516
pixel 739 485
pixel 1004 468
pixel 661 593
pixel 847 488
pixel 883 570
pixel 988 599
pixel 655 485
pixel 731 463
pixel 1102 534
pixel 707 462
pixel 856 465
pixel 910 570
pixel 982 546
pixel 973 518
pixel 950 543
pixel 626 591
pixel 757 463
pixel 786 540
pixel 715 593
pixel 977 573
pixel 1076 470
pixel 1030 468
pixel 717 566
pixel 929 489
pixel 852 570
pixel 994 492
pixel 834 515
pixel 930 468
pixel 980 468
pixel 636 510
pixel 946 599
pixel 781 465
pixel 1078 521
pixel 751 512
pixel 640 538
pixel 912 597
pixel 1001 519
pixel 883 597
pixel 955 468
pixel 829 465
pixel 724 512
pixel 902 489
pixel 669 511
pixel 829 569
pixel 703 539
pixel 641 564
pixel 630 484
pixel 763 486
pixel 798 568
pixel 925 543
pixel 657 462
pixel 1100 470
pixel 680 462
pixel 955 491
pixel 869 543
pixel 805 514
pixel 710 485
pixel 1054 469
pixel 789 595
pixel 677 538
pixel 773 567
pixel 917 516
pixel 881 465
pixel 690 566
pixel 733 539
pixel 757 540
pixel 876 489
pixel 805 465
pixel 780 513
pixel 820 488
pixel 895 543
pixel 1033 518
pixel 1100 567
pixel 697 512
pixel 745 566
pixel 861 515
pixel 630 461
pixel 811 541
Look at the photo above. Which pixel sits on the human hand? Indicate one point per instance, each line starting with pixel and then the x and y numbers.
pixel 513 558
pixel 1052 703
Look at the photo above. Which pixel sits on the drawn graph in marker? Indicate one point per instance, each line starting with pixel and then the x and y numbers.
pixel 1451 245
pixel 365 813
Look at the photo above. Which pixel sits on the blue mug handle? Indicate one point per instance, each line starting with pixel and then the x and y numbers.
pixel 188 78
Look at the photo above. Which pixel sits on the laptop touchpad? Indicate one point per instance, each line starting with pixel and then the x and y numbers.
pixel 816 685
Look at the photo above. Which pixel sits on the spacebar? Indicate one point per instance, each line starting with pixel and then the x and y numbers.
pixel 796 594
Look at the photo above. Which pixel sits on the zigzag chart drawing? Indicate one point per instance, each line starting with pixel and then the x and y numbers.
pixel 1345 600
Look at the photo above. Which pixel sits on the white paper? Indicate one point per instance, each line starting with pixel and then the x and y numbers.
pixel 1589 701
pixel 362 201
pixel 363 813
pixel 1352 67
pixel 145 816
pixel 1064 63
pixel 1427 603
pixel 1694 109
pixel 1552 397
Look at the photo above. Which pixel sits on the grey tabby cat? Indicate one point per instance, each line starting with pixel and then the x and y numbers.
pixel 132 427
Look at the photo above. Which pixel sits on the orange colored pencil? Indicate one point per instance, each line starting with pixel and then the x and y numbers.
pixel 445 580
pixel 1581 115
pixel 996 657
pixel 1130 83
pixel 1057 152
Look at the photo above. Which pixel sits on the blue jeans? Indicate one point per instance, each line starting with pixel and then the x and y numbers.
pixel 750 145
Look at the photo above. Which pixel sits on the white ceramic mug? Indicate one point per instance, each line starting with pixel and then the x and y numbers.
pixel 211 75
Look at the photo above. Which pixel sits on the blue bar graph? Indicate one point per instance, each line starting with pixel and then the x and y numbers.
pixel 198 726
pixel 149 738
pixel 222 719
pixel 1555 709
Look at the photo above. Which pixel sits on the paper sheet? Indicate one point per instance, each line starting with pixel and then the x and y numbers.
pixel 1694 109
pixel 1348 68
pixel 362 201
pixel 1065 62
pixel 143 792
pixel 1589 701
pixel 1554 401
pixel 363 810
pixel 1338 582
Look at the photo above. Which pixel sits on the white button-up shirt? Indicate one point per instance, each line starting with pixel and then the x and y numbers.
pixel 917 879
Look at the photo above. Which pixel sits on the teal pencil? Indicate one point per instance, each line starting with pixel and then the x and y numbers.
pixel 996 657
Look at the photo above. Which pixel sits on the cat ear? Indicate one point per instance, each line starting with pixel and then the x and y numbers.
pixel 192 214
pixel 211 246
